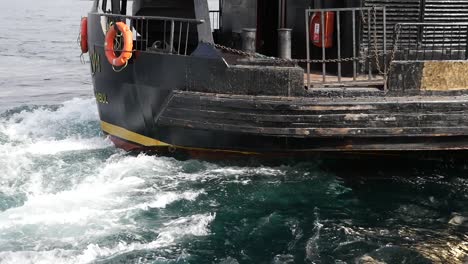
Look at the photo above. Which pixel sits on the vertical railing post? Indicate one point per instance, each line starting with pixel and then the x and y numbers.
pixel 459 33
pixel 384 22
pixel 171 38
pixel 186 38
pixel 324 52
pixel 443 43
pixel 399 41
pixel 423 41
pixel 434 34
pixel 338 33
pixel 307 21
pixel 147 35
pixel 139 26
pixel 408 41
pixel 164 34
pixel 418 44
pixel 137 23
pixel 354 46
pixel 369 46
pixel 180 37
pixel 450 44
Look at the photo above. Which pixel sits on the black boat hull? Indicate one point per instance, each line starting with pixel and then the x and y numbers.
pixel 170 102
pixel 258 125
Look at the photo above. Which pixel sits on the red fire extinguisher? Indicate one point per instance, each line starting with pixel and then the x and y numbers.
pixel 316 28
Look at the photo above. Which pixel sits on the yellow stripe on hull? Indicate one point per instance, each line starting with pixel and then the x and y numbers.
pixel 150 142
pixel 131 136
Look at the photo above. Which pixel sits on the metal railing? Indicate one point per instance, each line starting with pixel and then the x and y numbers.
pixel 215 19
pixel 158 34
pixel 432 41
pixel 366 62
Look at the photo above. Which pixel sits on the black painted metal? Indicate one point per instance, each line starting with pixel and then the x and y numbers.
pixel 200 101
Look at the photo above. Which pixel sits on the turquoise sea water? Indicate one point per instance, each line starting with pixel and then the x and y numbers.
pixel 68 196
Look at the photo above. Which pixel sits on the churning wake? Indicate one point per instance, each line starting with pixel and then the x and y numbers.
pixel 67 195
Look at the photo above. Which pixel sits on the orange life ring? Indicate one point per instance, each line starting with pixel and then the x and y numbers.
pixel 84 35
pixel 126 52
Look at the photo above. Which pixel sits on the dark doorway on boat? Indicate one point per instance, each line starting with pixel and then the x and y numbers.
pixel 271 15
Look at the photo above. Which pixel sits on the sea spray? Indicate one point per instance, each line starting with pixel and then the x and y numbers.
pixel 67 195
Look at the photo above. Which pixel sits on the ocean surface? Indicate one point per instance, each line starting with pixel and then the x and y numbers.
pixel 68 196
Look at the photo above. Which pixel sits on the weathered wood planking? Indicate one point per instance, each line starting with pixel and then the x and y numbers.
pixel 289 117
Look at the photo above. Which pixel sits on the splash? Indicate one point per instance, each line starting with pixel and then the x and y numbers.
pixel 67 188
pixel 74 198
pixel 67 195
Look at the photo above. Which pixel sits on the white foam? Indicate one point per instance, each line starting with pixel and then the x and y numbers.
pixel 100 204
pixel 171 233
pixel 67 145
pixel 78 204
pixel 44 123
pixel 45 131
pixel 196 225
pixel 165 199
pixel 87 202
pixel 23 166
pixel 457 220
pixel 37 257
pixel 246 172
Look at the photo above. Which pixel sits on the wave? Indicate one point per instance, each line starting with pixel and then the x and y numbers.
pixel 72 191
pixel 172 232
pixel 76 118
pixel 67 195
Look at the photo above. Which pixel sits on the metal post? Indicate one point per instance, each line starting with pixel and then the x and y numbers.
pixel 147 35
pixel 450 45
pixel 123 9
pixel 423 44
pixel 324 53
pixel 338 33
pixel 164 37
pixel 284 43
pixel 443 45
pixel 369 46
pixel 354 46
pixel 186 38
pixel 180 37
pixel 408 43
pixel 419 41
pixel 249 39
pixel 220 14
pixel 433 42
pixel 280 13
pixel 384 14
pixel 308 46
pixel 171 40
pixel 141 35
pixel 459 31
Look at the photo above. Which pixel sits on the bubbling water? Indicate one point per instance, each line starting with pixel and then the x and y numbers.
pixel 67 195
pixel 64 187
